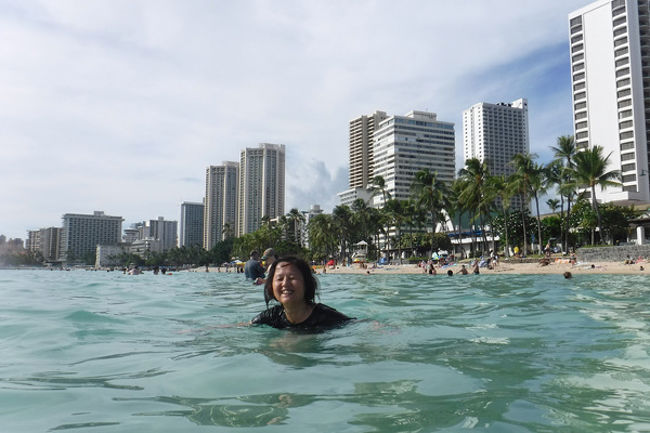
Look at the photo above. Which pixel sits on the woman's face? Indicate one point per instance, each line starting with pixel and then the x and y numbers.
pixel 288 284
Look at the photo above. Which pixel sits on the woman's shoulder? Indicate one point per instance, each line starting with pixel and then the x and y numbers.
pixel 323 311
pixel 268 315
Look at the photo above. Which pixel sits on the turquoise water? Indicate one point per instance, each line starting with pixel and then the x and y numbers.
pixel 107 352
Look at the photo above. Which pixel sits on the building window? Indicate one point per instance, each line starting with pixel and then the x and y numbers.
pixel 620 31
pixel 580 105
pixel 626 124
pixel 577 48
pixel 576 38
pixel 621 41
pixel 623 82
pixel 630 188
pixel 629 178
pixel 621 72
pixel 625 103
pixel 578 77
pixel 578 57
pixel 581 115
pixel 627 146
pixel 620 52
pixel 622 62
pixel 580 95
pixel 626 135
pixel 624 114
pixel 627 156
pixel 580 135
pixel 618 21
pixel 628 167
pixel 625 92
pixel 575 21
pixel 578 67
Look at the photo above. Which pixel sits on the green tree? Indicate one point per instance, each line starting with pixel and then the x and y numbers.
pixel 430 193
pixel 591 171
pixel 474 178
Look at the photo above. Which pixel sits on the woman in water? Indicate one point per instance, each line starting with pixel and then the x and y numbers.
pixel 291 283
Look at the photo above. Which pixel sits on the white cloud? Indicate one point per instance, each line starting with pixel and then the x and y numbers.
pixel 115 105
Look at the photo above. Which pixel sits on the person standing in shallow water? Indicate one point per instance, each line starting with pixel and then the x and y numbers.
pixel 292 285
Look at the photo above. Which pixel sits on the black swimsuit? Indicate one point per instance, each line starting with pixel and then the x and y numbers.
pixel 321 318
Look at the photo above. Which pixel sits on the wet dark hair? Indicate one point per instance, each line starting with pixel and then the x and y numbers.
pixel 305 270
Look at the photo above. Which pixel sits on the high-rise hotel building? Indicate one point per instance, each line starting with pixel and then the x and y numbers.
pixel 610 70
pixel 404 145
pixel 191 232
pixel 494 133
pixel 261 186
pixel 82 233
pixel 220 206
pixel 362 131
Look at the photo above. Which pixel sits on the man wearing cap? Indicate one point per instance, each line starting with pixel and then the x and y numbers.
pixel 253 268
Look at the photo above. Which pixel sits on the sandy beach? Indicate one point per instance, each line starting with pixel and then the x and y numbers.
pixel 556 266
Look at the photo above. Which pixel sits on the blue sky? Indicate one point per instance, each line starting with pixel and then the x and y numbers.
pixel 121 105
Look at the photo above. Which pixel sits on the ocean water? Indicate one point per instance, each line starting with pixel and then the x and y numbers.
pixel 107 352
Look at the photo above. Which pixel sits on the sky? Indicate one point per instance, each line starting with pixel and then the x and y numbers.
pixel 120 105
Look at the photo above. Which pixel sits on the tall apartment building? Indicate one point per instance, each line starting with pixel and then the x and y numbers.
pixel 220 203
pixel 82 233
pixel 610 74
pixel 362 131
pixel 191 224
pixel 164 231
pixel 261 186
pixel 494 133
pixel 404 145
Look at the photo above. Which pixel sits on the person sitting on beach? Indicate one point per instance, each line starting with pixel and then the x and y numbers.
pixel 476 266
pixel 463 270
pixel 431 268
pixel 292 285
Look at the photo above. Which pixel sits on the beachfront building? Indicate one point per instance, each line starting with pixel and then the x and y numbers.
pixel 191 224
pixel 348 196
pixel 404 145
pixel 161 230
pixel 132 234
pixel 361 136
pixel 494 133
pixel 304 230
pixel 261 186
pixel 82 233
pixel 220 209
pixel 610 74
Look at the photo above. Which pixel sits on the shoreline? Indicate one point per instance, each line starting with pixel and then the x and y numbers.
pixel 505 267
pixel 558 266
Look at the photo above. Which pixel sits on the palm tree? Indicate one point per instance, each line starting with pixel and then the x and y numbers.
pixel 524 168
pixel 565 153
pixel 501 187
pixel 553 204
pixel 430 193
pixel 456 208
pixel 322 235
pixel 297 219
pixel 379 186
pixel 474 179
pixel 343 226
pixel 397 212
pixel 591 170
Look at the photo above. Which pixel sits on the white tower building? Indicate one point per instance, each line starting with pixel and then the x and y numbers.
pixel 261 186
pixel 220 211
pixel 404 145
pixel 610 64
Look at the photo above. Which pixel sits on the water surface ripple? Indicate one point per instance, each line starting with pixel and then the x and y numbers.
pixel 107 352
